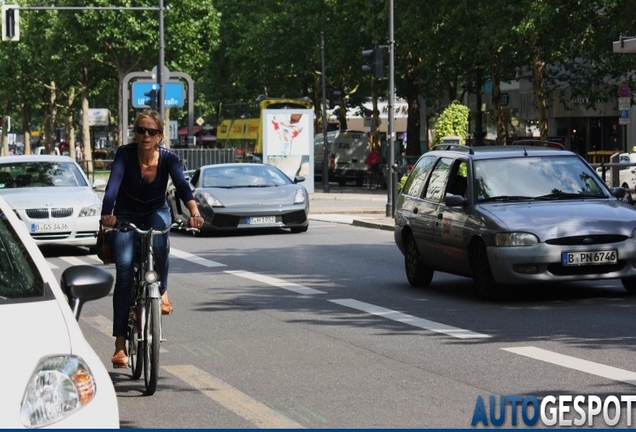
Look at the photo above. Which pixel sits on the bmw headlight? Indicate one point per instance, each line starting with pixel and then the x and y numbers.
pixel 93 210
pixel 59 386
pixel 300 197
pixel 516 239
pixel 212 201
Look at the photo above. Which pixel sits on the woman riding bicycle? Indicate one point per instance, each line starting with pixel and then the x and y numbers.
pixel 136 192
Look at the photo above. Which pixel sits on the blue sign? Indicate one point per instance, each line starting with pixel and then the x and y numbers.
pixel 624 114
pixel 173 94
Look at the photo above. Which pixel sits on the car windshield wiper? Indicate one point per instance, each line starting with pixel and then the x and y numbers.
pixel 565 195
pixel 262 185
pixel 507 198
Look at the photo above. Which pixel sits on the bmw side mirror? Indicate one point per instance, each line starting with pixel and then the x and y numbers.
pixel 618 192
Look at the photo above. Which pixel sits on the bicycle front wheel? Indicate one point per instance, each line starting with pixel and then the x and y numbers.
pixel 135 347
pixel 152 343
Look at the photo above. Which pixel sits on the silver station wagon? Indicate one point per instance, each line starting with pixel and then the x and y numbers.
pixel 512 215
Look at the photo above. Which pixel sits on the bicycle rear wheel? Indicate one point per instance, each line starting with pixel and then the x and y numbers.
pixel 135 347
pixel 152 343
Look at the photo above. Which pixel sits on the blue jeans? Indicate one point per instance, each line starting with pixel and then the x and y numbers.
pixel 124 254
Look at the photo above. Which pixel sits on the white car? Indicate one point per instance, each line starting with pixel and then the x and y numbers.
pixel 50 374
pixel 627 176
pixel 53 197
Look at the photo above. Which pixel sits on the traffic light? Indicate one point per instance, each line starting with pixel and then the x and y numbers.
pixel 334 96
pixel 376 55
pixel 10 23
pixel 153 101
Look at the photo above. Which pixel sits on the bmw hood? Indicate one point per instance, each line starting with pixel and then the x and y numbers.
pixel 565 218
pixel 23 198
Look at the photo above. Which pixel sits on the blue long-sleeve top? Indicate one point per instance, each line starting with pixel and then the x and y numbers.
pixel 127 190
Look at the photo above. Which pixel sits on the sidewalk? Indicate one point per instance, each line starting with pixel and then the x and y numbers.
pixel 350 205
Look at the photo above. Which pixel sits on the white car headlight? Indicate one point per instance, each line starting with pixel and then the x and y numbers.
pixel 516 239
pixel 59 386
pixel 93 210
pixel 212 201
pixel 300 197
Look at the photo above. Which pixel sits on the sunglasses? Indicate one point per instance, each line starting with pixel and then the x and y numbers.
pixel 142 130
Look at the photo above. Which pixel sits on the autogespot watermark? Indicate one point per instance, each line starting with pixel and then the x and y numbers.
pixel 560 410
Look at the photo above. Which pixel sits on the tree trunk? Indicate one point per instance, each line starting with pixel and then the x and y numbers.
pixel 539 92
pixel 413 120
pixel 496 102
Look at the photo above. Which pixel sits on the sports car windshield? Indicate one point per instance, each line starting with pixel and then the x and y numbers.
pixel 536 178
pixel 40 174
pixel 243 176
pixel 19 276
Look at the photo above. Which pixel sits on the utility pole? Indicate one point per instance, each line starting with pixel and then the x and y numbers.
pixel 325 153
pixel 161 65
pixel 391 181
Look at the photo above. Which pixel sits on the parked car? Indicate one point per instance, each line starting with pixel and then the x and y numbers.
pixel 239 196
pixel 348 150
pixel 512 215
pixel 50 374
pixel 53 198
pixel 627 175
pixel 103 159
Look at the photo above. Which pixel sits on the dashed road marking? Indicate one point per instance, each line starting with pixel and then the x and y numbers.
pixel 410 319
pixel 234 400
pixel 290 286
pixel 569 362
pixel 72 260
pixel 195 259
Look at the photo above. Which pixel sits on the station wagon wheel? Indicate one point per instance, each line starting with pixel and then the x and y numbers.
pixel 629 284
pixel 485 285
pixel 418 273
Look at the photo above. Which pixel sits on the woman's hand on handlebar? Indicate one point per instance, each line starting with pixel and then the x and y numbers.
pixel 195 221
pixel 109 220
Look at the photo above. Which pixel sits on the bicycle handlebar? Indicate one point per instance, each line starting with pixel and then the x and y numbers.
pixel 124 226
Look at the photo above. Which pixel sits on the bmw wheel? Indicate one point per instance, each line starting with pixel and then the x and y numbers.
pixel 418 273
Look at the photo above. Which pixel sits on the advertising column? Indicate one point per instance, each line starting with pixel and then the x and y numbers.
pixel 288 136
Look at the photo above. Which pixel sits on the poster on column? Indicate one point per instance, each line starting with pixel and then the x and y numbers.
pixel 288 136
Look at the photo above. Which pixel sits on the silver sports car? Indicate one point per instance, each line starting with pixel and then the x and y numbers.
pixel 237 196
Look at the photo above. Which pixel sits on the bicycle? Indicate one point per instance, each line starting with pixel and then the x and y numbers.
pixel 374 179
pixel 144 319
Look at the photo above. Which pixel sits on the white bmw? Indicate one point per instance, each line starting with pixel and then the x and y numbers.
pixel 51 377
pixel 53 197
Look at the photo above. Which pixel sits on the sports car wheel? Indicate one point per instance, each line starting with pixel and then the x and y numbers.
pixel 418 273
pixel 485 285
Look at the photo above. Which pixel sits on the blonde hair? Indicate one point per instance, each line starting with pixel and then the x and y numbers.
pixel 150 114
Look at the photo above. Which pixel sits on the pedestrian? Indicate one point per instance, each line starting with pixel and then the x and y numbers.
pixel 79 154
pixel 136 193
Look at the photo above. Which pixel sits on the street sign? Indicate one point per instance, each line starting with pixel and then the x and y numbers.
pixel 624 113
pixel 624 103
pixel 624 91
pixel 174 128
pixel 200 121
pixel 98 117
pixel 624 121
pixel 173 92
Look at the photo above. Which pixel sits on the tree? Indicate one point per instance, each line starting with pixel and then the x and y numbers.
pixel 452 122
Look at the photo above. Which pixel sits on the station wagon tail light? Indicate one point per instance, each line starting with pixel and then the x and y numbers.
pixel 59 386
pixel 516 239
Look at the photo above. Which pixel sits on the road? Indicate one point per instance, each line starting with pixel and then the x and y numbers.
pixel 322 330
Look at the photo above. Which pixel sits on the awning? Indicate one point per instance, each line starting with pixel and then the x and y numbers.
pixel 184 131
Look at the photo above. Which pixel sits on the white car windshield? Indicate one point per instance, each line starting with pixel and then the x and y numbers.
pixel 40 174
pixel 536 178
pixel 19 276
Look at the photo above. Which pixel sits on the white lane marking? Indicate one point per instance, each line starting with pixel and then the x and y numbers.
pixel 104 325
pixel 51 265
pixel 195 259
pixel 236 401
pixel 94 258
pixel 410 319
pixel 72 260
pixel 290 286
pixel 586 366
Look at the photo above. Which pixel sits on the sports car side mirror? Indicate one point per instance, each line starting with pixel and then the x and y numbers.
pixel 299 179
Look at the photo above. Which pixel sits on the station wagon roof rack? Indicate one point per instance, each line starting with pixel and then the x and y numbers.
pixel 456 147
pixel 538 143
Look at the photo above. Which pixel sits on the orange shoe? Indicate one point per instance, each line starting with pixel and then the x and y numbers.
pixel 120 360
pixel 166 304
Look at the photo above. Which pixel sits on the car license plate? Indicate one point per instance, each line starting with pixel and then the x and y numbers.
pixel 49 227
pixel 589 258
pixel 261 220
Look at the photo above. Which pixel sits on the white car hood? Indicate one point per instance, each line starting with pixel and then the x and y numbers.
pixel 23 198
pixel 27 337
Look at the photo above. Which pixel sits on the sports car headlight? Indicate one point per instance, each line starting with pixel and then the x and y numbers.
pixel 516 239
pixel 212 201
pixel 59 386
pixel 93 210
pixel 300 197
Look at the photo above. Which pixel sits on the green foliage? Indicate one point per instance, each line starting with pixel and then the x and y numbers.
pixel 452 122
